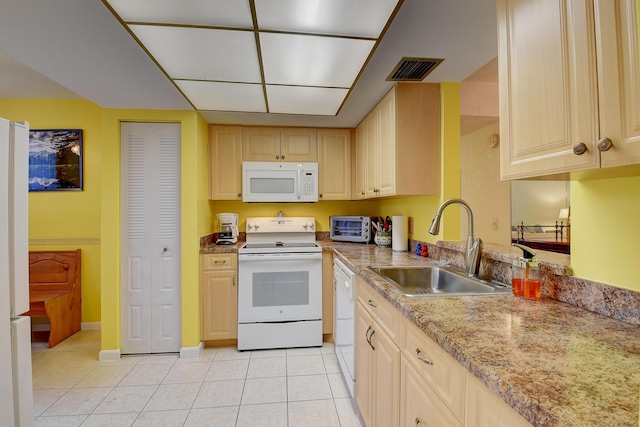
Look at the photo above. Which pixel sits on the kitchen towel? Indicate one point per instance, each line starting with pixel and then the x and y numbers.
pixel 400 233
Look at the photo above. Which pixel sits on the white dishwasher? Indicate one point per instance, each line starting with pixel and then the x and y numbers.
pixel 344 282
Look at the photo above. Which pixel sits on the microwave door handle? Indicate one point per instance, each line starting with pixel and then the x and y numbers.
pixel 299 182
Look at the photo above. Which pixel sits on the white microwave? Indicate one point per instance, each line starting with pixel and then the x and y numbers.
pixel 279 182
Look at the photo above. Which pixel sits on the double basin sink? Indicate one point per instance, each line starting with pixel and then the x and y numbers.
pixel 416 281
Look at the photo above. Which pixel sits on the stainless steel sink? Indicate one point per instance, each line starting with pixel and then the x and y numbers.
pixel 416 281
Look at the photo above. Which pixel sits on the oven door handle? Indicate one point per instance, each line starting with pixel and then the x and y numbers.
pixel 279 257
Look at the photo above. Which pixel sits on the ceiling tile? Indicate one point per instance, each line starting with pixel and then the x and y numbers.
pixel 305 100
pixel 202 54
pixel 361 18
pixel 312 60
pixel 224 96
pixel 236 14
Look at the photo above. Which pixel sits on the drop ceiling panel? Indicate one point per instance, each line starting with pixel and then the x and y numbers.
pixel 361 18
pixel 312 60
pixel 202 54
pixel 305 100
pixel 224 13
pixel 224 96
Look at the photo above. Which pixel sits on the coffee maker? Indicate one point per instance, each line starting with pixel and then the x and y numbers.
pixel 227 228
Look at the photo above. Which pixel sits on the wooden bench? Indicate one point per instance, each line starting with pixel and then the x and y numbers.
pixel 55 291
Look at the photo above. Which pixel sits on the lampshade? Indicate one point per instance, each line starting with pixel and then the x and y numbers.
pixel 564 213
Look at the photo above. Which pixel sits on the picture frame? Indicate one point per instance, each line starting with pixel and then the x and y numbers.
pixel 55 160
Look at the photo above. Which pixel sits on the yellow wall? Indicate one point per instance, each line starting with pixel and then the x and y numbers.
pixel 320 210
pixel 605 231
pixel 67 220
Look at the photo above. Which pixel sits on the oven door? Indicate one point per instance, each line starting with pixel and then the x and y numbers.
pixel 279 287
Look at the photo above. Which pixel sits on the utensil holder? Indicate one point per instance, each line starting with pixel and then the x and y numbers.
pixel 383 239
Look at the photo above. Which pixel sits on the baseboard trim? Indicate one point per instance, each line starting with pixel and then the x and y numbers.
pixel 109 355
pixel 91 326
pixel 192 352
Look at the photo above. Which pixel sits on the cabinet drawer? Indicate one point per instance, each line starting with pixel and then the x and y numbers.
pixel 382 310
pixel 420 406
pixel 219 262
pixel 445 375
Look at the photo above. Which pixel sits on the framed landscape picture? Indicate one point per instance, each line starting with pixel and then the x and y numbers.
pixel 55 159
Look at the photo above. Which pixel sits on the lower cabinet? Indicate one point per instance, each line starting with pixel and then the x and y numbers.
pixel 219 296
pixel 485 409
pixel 420 405
pixel 406 379
pixel 377 372
pixel 327 293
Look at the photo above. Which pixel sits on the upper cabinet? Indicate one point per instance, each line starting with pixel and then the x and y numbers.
pixel 569 86
pixel 225 162
pixel 334 152
pixel 398 144
pixel 272 144
pixel 229 146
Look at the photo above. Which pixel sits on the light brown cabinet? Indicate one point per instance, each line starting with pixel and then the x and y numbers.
pixel 399 144
pixel 219 296
pixel 405 378
pixel 334 162
pixel 377 358
pixel 225 162
pixel 377 371
pixel 273 144
pixel 485 409
pixel 327 293
pixel 569 87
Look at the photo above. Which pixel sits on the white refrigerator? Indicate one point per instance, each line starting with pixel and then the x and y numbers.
pixel 16 389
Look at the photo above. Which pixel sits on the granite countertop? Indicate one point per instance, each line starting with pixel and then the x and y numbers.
pixel 554 363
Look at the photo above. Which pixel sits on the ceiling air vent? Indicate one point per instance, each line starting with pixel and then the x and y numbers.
pixel 413 69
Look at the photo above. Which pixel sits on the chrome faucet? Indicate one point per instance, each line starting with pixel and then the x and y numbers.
pixel 474 247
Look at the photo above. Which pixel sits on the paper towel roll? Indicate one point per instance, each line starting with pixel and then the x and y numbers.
pixel 400 233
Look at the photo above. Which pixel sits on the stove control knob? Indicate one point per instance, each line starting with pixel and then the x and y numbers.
pixel 308 226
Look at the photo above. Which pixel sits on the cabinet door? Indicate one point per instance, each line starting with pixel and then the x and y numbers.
pixel 225 162
pixel 260 144
pixel 619 79
pixel 299 145
pixel 548 87
pixel 364 365
pixel 386 404
pixel 219 305
pixel 420 405
pixel 327 292
pixel 334 148
pixel 372 124
pixel 485 409
pixel 360 181
pixel 387 145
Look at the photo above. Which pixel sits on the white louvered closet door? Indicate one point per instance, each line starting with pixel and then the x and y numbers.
pixel 150 303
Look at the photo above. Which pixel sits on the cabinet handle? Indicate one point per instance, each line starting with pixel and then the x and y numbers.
pixel 239 194
pixel 320 195
pixel 283 157
pixel 234 281
pixel 422 359
pixel 369 337
pixel 277 156
pixel 372 304
pixel 580 148
pixel 417 422
pixel 605 144
pixel 219 262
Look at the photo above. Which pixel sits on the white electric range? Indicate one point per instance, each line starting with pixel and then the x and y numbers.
pixel 279 284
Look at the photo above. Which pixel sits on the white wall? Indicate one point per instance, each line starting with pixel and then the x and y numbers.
pixel 489 198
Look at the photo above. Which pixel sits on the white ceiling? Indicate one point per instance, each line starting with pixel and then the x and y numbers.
pixel 79 49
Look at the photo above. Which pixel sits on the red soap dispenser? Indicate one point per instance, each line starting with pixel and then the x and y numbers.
pixel 526 274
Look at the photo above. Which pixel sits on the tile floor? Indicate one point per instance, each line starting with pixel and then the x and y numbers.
pixel 224 387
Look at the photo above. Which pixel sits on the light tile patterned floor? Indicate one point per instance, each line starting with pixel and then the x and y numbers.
pixel 224 387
